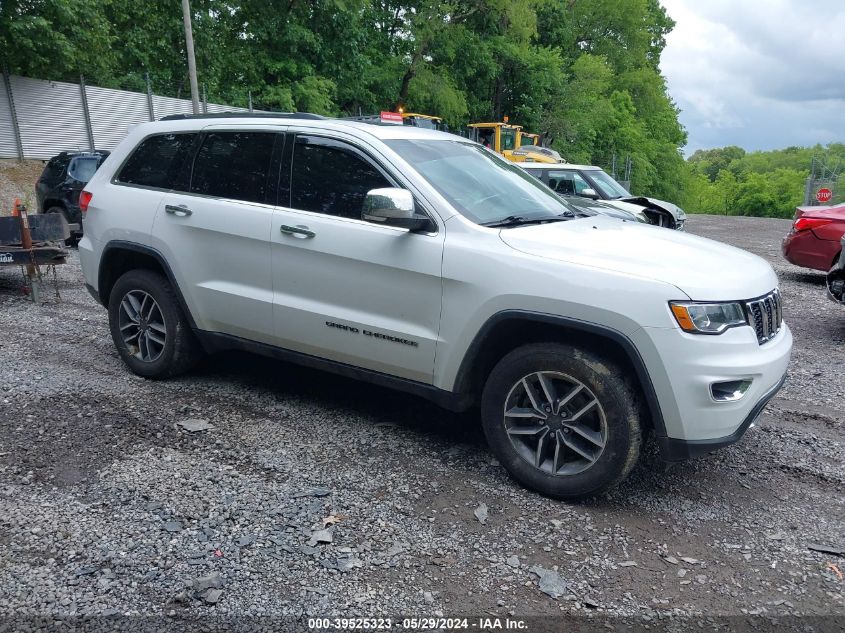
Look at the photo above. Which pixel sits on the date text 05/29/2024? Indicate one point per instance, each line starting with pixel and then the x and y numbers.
pixel 417 624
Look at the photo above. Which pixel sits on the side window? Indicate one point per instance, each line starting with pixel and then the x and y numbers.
pixel 234 165
pixel 581 184
pixel 567 182
pixel 82 169
pixel 157 161
pixel 508 139
pixel 331 177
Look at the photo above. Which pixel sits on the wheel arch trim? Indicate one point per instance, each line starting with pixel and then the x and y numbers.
pixel 463 380
pixel 134 247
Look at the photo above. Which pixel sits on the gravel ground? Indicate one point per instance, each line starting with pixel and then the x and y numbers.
pixel 315 495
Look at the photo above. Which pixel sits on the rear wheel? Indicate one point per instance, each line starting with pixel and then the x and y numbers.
pixel 148 326
pixel 562 420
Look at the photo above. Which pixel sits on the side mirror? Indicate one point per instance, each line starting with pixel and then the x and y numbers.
pixel 392 206
pixel 589 193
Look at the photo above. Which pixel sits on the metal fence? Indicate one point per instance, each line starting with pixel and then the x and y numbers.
pixel 827 177
pixel 40 118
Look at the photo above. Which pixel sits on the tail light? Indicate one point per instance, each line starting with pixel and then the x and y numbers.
pixel 808 224
pixel 84 200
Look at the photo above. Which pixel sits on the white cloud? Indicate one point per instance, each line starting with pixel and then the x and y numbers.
pixel 761 74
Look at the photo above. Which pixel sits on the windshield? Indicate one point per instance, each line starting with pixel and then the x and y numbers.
pixel 608 187
pixel 478 183
pixel 82 169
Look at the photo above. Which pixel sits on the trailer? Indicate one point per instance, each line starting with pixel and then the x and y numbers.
pixel 33 242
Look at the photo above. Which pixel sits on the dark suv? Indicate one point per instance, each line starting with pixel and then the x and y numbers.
pixel 58 188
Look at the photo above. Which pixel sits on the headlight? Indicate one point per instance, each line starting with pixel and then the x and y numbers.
pixel 707 318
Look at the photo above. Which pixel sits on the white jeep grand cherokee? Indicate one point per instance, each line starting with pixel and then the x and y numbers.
pixel 418 260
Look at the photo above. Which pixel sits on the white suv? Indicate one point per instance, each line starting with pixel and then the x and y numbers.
pixel 421 261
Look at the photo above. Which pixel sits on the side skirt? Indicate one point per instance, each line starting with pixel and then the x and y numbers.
pixel 214 342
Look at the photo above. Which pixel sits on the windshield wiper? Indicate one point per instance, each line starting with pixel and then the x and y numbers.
pixel 518 220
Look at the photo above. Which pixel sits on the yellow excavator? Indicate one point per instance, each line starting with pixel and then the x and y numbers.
pixel 527 138
pixel 500 137
pixel 511 142
pixel 423 120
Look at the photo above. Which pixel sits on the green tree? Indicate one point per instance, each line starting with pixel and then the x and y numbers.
pixel 711 161
pixel 583 73
pixel 56 39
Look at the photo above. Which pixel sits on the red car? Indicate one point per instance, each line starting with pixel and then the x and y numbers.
pixel 814 241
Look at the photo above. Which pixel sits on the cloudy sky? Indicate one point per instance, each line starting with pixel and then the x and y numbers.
pixel 761 74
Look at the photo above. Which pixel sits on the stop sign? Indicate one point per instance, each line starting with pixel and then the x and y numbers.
pixel 824 195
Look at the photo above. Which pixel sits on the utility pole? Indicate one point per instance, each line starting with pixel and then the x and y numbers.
pixel 192 62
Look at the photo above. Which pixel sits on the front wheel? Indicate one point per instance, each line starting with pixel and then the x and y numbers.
pixel 562 420
pixel 148 326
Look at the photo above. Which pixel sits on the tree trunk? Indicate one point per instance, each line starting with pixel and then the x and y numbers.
pixel 403 90
pixel 408 76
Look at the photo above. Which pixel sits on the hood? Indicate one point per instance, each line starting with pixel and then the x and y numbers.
pixel 703 269
pixel 626 205
pixel 596 207
pixel 674 209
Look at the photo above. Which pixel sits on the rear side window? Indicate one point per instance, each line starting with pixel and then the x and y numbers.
pixel 331 177
pixel 157 161
pixel 82 169
pixel 234 165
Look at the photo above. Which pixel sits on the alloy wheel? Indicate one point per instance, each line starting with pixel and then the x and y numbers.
pixel 142 326
pixel 555 423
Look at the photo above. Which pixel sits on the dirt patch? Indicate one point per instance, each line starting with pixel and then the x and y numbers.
pixel 17 180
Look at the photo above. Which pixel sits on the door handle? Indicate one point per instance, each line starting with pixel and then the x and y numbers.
pixel 300 230
pixel 180 210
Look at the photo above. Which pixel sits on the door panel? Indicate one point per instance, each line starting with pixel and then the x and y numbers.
pixel 357 293
pixel 217 235
pixel 222 265
pixel 345 289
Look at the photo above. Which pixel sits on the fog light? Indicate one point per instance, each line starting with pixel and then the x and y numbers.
pixel 729 390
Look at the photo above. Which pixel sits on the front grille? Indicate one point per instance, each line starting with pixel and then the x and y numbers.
pixel 765 315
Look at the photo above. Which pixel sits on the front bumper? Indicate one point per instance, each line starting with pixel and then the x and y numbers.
pixel 683 367
pixel 675 450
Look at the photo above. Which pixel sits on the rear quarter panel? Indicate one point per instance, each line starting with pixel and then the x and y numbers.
pixel 116 212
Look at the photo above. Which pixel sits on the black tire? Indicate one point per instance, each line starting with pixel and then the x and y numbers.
pixel 616 416
pixel 180 350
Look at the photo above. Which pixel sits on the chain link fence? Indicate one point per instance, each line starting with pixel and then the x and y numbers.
pixel 826 183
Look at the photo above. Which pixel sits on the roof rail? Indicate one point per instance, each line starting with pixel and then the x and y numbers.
pixel 244 115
